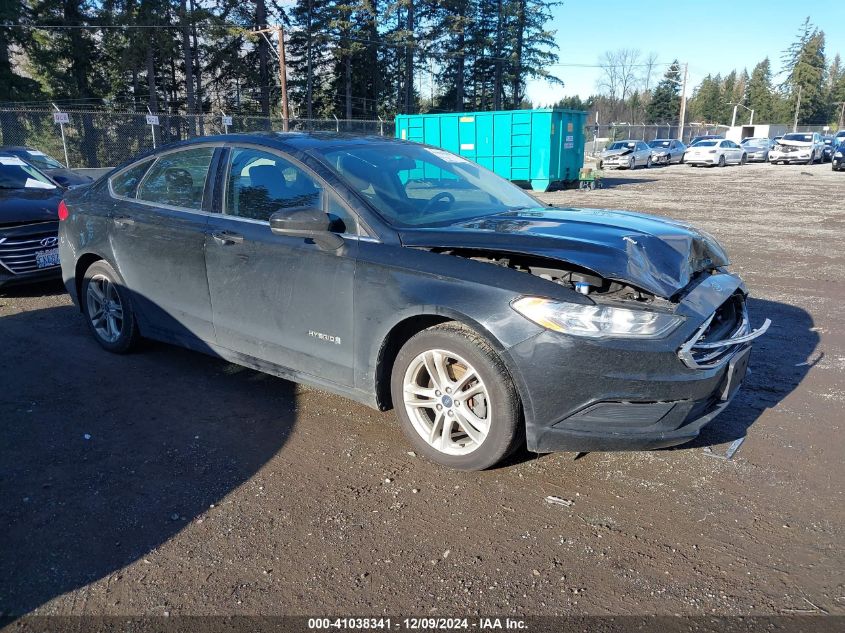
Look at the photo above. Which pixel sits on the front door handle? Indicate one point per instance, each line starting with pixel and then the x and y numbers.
pixel 123 221
pixel 225 238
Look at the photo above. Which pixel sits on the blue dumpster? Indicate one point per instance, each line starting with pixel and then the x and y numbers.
pixel 527 146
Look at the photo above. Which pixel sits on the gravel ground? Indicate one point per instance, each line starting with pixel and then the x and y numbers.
pixel 169 482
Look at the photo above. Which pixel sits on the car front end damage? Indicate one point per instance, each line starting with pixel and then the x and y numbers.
pixel 628 393
pixel 791 153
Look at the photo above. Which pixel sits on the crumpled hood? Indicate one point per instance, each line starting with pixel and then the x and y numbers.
pixel 616 152
pixel 649 252
pixel 19 206
pixel 795 143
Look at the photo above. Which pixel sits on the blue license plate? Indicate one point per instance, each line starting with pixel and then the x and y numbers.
pixel 48 258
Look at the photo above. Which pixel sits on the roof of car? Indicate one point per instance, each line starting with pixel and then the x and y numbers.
pixel 295 140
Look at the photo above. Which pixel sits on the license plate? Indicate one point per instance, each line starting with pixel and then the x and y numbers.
pixel 45 259
pixel 737 368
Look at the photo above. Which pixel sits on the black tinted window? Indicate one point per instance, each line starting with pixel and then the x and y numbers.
pixel 125 184
pixel 178 179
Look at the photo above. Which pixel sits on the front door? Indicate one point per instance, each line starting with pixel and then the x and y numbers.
pixel 158 237
pixel 276 298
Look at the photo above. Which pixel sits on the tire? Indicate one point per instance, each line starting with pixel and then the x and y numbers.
pixel 648 163
pixel 722 162
pixel 117 329
pixel 600 164
pixel 455 350
pixel 744 159
pixel 632 163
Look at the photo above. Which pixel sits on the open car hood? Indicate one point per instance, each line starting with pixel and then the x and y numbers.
pixel 795 143
pixel 617 152
pixel 654 254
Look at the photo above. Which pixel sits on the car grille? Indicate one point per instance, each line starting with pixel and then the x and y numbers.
pixel 714 343
pixel 18 248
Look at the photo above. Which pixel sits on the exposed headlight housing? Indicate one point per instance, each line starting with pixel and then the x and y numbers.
pixel 596 321
pixel 838 154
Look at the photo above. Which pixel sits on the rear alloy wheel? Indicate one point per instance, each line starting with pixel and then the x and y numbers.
pixel 108 309
pixel 722 160
pixel 455 399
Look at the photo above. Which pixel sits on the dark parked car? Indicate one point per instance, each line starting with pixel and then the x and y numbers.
pixel 827 150
pixel 837 161
pixel 29 223
pixel 405 276
pixel 47 164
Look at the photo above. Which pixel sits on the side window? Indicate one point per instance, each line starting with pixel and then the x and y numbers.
pixel 178 179
pixel 126 183
pixel 260 183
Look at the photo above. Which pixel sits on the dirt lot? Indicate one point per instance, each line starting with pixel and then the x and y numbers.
pixel 167 481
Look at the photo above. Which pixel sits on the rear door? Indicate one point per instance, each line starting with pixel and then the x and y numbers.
pixel 275 298
pixel 158 236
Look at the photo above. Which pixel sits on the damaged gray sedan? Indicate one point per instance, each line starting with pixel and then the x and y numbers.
pixel 406 277
pixel 628 154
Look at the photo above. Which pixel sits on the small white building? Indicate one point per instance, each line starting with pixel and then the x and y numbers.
pixel 739 132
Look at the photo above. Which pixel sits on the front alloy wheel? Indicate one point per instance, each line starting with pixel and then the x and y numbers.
pixel 447 402
pixel 455 399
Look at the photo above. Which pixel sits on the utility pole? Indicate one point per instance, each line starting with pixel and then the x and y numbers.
pixel 842 115
pixel 797 108
pixel 733 120
pixel 683 104
pixel 283 75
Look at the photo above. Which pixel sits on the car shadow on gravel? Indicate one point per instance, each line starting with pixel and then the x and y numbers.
pixel 50 288
pixel 103 457
pixel 781 359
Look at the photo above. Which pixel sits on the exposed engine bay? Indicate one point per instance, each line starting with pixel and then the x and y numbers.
pixel 556 271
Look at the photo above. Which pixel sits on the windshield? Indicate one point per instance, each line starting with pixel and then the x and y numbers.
pixel 806 138
pixel 41 160
pixel 622 145
pixel 657 143
pixel 756 142
pixel 412 185
pixel 705 143
pixel 16 174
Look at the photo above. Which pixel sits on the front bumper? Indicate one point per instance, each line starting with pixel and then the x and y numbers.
pixel 790 157
pixel 757 157
pixel 589 395
pixel 616 162
pixel 19 252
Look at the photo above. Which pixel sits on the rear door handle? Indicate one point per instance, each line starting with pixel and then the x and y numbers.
pixel 225 238
pixel 123 221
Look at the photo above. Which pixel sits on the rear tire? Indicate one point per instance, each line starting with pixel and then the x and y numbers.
pixel 108 309
pixel 428 382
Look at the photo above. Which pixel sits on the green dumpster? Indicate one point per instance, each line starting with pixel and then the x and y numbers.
pixel 527 146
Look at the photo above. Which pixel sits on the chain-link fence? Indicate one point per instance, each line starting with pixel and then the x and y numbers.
pixel 104 139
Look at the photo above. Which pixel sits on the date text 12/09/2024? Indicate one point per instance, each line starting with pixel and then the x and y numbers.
pixel 413 624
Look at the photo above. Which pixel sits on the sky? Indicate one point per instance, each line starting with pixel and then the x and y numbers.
pixel 712 36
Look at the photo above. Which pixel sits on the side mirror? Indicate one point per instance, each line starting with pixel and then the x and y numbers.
pixel 306 222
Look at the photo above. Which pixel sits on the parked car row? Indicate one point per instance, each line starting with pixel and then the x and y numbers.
pixel 714 150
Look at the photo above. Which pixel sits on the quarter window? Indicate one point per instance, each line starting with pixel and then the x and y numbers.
pixel 178 179
pixel 125 184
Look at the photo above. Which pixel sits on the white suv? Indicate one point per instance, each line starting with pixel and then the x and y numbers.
pixel 798 147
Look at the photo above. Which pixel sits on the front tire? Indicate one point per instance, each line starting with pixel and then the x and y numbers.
pixel 454 398
pixel 722 162
pixel 108 309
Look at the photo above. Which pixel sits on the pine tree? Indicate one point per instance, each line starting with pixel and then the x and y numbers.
pixel 760 92
pixel 666 100
pixel 806 68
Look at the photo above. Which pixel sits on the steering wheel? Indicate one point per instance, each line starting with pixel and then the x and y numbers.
pixel 444 196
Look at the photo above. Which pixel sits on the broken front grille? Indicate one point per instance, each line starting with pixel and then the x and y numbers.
pixel 19 249
pixel 727 329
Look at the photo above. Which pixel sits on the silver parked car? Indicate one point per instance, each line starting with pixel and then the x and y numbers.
pixel 627 154
pixel 757 148
pixel 665 151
